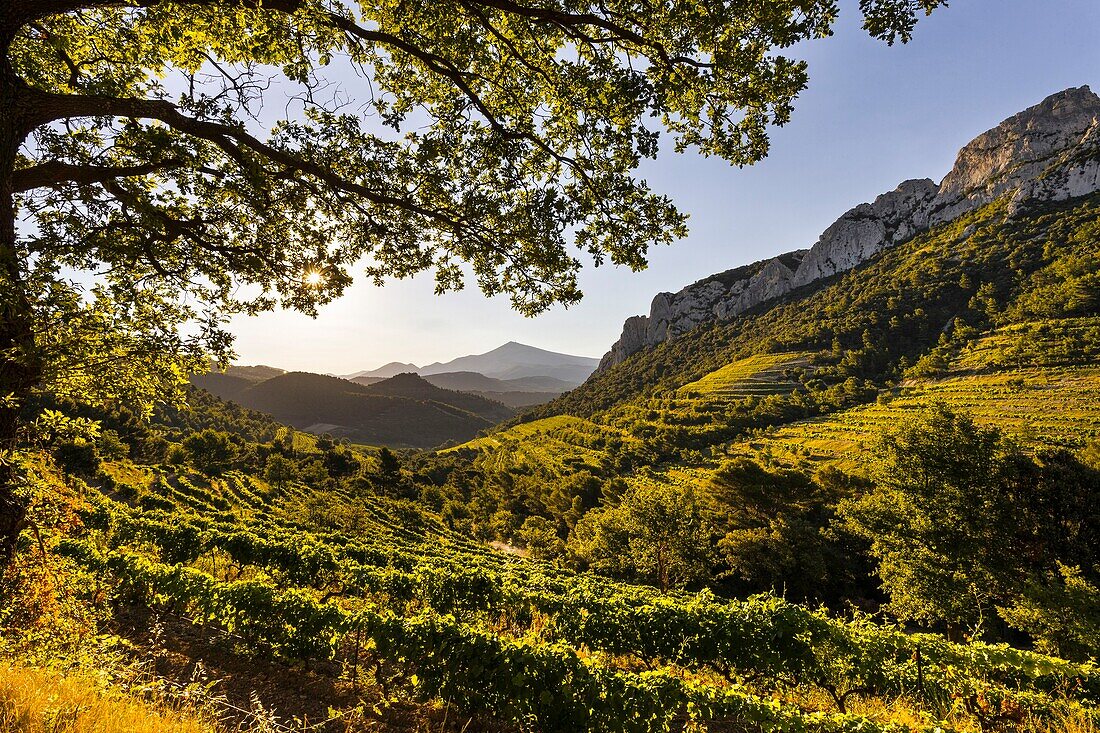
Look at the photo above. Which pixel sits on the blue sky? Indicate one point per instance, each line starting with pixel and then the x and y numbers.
pixel 872 117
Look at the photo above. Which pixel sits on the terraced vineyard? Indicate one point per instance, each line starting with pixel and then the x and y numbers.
pixel 999 379
pixel 551 446
pixel 1061 342
pixel 757 375
pixel 1021 378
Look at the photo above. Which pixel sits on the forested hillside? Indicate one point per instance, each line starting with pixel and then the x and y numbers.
pixel 870 506
pixel 402 411
pixel 983 270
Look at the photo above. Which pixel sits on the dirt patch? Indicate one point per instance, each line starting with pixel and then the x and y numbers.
pixel 508 549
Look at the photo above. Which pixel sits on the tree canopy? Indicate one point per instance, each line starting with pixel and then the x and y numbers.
pixel 655 533
pixel 962 522
pixel 201 157
pixel 484 132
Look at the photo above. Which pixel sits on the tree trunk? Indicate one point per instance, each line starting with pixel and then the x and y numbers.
pixel 662 567
pixel 20 368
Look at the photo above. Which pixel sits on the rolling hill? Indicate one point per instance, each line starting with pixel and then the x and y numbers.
pixel 516 393
pixel 476 382
pixel 222 384
pixel 513 375
pixel 234 379
pixel 404 411
pixel 415 387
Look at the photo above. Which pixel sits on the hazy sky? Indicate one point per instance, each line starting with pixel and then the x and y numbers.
pixel 872 116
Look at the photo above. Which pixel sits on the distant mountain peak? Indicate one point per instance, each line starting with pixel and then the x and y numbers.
pixel 509 361
pixel 516 348
pixel 513 360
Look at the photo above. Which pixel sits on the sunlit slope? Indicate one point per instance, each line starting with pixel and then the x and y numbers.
pixel 242 499
pixel 988 267
pixel 1039 382
pixel 33 700
pixel 757 375
pixel 996 313
pixel 552 446
pixel 563 444
pixel 1049 342
pixel 561 650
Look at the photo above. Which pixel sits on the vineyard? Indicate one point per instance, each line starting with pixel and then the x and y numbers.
pixel 757 375
pixel 1045 343
pixel 549 447
pixel 1034 381
pixel 410 605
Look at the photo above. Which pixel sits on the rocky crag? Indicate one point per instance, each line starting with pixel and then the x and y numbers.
pixel 1049 152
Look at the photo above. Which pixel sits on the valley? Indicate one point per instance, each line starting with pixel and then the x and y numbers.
pixel 411 407
pixel 850 488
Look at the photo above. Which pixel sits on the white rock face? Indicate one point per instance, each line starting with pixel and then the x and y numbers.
pixel 868 229
pixel 1071 181
pixel 1049 152
pixel 1016 154
pixel 718 297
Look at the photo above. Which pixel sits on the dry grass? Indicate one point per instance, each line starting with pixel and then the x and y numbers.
pixel 1076 720
pixel 42 701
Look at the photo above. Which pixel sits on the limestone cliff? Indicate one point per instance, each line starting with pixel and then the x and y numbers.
pixel 1049 152
pixel 867 229
pixel 717 297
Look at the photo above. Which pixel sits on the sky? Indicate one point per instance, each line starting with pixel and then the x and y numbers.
pixel 871 117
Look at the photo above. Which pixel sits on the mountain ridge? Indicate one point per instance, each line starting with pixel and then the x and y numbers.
pixel 403 411
pixel 509 361
pixel 392 369
pixel 1047 152
pixel 514 360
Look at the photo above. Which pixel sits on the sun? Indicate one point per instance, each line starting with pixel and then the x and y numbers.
pixel 313 278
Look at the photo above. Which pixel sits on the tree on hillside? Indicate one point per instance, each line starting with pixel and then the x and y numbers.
pixel 963 524
pixel 211 451
pixel 279 470
pixel 657 533
pixel 772 524
pixel 1061 612
pixel 387 478
pixel 483 139
pixel 389 465
pixel 941 520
